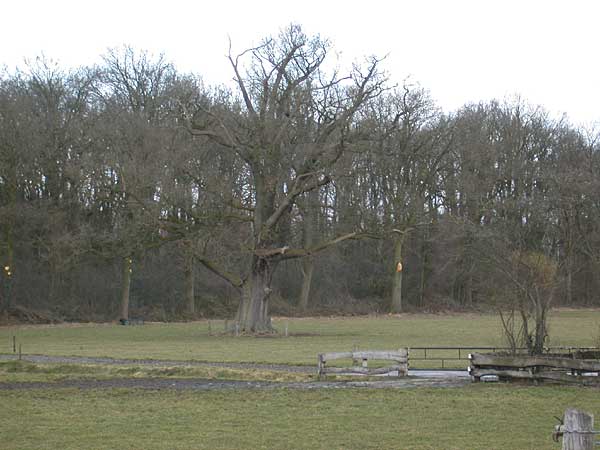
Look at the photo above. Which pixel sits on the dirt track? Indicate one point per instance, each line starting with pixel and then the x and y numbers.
pixel 203 385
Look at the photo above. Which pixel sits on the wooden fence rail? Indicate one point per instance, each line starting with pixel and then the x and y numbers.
pixel 399 357
pixel 555 368
pixel 452 355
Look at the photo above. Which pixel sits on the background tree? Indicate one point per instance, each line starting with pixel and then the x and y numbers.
pixel 291 128
pixel 529 281
pixel 135 160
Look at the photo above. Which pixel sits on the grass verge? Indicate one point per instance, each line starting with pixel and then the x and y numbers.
pixel 474 417
pixel 22 371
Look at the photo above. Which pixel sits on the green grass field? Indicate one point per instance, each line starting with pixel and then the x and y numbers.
pixel 308 337
pixel 478 416
pixel 475 417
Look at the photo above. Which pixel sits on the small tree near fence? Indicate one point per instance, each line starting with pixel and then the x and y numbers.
pixel 523 284
pixel 532 277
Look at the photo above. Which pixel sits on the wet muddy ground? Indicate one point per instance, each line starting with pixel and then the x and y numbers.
pixel 416 378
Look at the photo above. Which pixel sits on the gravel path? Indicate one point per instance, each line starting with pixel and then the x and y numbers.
pixel 416 378
pixel 206 385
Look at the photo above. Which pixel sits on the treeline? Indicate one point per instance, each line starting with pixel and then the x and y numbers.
pixel 132 186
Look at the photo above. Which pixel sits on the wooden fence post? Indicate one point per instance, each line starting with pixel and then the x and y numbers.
pixel 578 430
pixel 320 366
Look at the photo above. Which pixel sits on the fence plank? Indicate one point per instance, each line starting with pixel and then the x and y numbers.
pixel 479 372
pixel 362 370
pixel 336 355
pixel 395 355
pixel 378 354
pixel 400 357
pixel 480 359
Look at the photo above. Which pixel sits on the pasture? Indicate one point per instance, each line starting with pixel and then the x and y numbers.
pixel 307 337
pixel 475 416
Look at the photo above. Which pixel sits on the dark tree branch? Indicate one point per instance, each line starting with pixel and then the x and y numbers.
pixel 233 279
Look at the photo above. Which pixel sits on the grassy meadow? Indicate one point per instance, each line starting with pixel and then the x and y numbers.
pixel 480 416
pixel 307 337
pixel 477 416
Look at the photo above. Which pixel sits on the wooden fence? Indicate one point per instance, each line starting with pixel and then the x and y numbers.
pixel 561 368
pixel 399 357
pixel 452 357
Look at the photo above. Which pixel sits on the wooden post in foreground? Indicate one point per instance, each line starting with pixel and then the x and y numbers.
pixel 577 430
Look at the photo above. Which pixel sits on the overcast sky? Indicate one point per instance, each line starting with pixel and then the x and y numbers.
pixel 460 50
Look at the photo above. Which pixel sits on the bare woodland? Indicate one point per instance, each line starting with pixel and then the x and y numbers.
pixel 133 189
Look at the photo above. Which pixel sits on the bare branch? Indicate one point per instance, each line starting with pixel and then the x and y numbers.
pixel 238 78
pixel 298 188
pixel 220 271
pixel 285 253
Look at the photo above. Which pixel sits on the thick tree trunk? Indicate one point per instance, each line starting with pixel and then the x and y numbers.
pixel 424 266
pixel 396 304
pixel 125 287
pixel 8 268
pixel 422 280
pixel 541 329
pixel 569 276
pixel 188 273
pixel 53 286
pixel 569 287
pixel 468 287
pixel 567 255
pixel 308 266
pixel 310 228
pixel 468 268
pixel 8 273
pixel 253 312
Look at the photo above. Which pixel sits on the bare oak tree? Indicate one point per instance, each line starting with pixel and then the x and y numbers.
pixel 290 127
